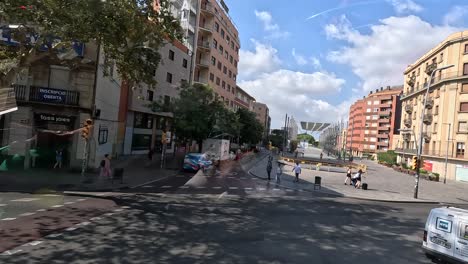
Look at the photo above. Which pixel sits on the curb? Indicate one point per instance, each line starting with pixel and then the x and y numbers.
pixel 351 197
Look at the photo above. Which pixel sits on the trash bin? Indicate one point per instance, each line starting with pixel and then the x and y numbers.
pixel 364 186
pixel 118 175
pixel 318 182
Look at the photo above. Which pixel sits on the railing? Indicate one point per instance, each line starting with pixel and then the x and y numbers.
pixel 427 119
pixel 385 113
pixel 382 135
pixel 47 95
pixel 408 122
pixel 204 44
pixel 427 137
pixel 203 63
pixel 201 80
pixel 207 8
pixel 442 153
pixel 429 103
pixel 384 120
pixel 20 92
pixel 408 108
pixel 431 68
pixel 207 27
pixel 384 128
pixel 437 79
pixel 382 143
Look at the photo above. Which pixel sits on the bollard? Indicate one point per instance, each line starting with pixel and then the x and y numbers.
pixel 318 183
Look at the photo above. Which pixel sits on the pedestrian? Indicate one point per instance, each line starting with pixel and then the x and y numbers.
pixel 348 176
pixel 297 170
pixel 150 154
pixel 269 166
pixel 279 171
pixel 58 159
pixel 106 167
pixel 357 179
pixel 321 156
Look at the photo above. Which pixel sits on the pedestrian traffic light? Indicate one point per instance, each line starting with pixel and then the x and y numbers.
pixel 85 131
pixel 163 138
pixel 414 163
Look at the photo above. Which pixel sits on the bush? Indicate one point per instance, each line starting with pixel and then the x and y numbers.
pixel 388 157
pixel 436 174
pixel 404 166
pixel 422 171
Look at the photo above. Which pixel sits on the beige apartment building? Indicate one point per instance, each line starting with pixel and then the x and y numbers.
pixel 243 100
pixel 446 109
pixel 217 52
pixel 263 116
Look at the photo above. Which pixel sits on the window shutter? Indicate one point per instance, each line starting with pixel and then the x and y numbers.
pixel 464 107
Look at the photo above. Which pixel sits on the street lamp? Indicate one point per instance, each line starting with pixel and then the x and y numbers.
pixel 428 86
pixel 446 153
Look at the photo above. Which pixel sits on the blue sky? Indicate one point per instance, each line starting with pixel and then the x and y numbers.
pixel 315 68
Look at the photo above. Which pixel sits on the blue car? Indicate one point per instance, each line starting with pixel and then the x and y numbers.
pixel 196 161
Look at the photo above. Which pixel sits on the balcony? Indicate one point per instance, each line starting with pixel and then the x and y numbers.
pixel 382 143
pixel 411 81
pixel 427 137
pixel 204 45
pixel 429 103
pixel 201 80
pixel 207 9
pixel 406 137
pixel 205 64
pixel 384 128
pixel 382 136
pixel 384 120
pixel 408 122
pixel 385 105
pixel 430 68
pixel 46 95
pixel 206 28
pixel 385 113
pixel 408 109
pixel 427 119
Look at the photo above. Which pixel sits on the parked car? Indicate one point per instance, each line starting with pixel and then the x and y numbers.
pixel 196 161
pixel 446 235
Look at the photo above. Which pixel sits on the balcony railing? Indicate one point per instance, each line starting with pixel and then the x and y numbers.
pixel 406 137
pixel 430 68
pixel 437 79
pixel 427 119
pixel 408 122
pixel 206 27
pixel 382 143
pixel 208 9
pixel 47 95
pixel 204 45
pixel 201 80
pixel 384 120
pixel 408 109
pixel 427 137
pixel 429 103
pixel 442 153
pixel 382 135
pixel 203 63
pixel 385 113
pixel 411 80
pixel 384 128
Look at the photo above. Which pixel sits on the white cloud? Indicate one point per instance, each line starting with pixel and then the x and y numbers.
pixel 456 16
pixel 263 60
pixel 379 58
pixel 405 6
pixel 269 26
pixel 299 58
pixel 316 63
pixel 296 93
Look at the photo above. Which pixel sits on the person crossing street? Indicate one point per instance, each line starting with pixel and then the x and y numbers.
pixel 297 171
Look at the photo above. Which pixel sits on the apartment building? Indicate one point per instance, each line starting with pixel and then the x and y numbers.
pixel 217 52
pixel 445 129
pixel 243 100
pixel 373 121
pixel 263 116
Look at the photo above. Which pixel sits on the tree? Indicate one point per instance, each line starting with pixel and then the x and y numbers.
pixel 308 138
pixel 195 113
pixel 251 130
pixel 129 31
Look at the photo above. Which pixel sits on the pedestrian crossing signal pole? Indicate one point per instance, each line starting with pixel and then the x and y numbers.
pixel 85 134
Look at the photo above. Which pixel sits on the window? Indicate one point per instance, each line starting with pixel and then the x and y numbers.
pixel 216 25
pixel 218 81
pixel 369 103
pixel 463 231
pixel 226 55
pixel 221 49
pixel 376 109
pixel 464 107
pixel 464 88
pixel 441 57
pixel 143 121
pixel 215 44
pixel 462 126
pixel 103 135
pixel 368 117
pixel 230 74
pixel 223 84
pixel 376 102
pixel 435 128
pixel 231 59
pixel 169 77
pixel 368 110
pixel 229 87
pixel 375 117
pixel 211 77
pixel 232 45
pixel 465 68
pixel 213 61
pixel 228 39
pixel 149 95
pixel 234 77
pixel 235 63
pixel 466 48
pixel 219 65
pixel 237 50
pixel 225 70
pixel 460 149
pixel 141 142
pixel 171 54
pixel 167 100
pixel 222 33
pixel 436 110
pixel 184 63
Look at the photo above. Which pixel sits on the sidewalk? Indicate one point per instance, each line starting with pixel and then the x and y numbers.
pixel 385 184
pixel 137 171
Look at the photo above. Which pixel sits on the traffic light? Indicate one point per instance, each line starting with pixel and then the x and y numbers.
pixel 414 163
pixel 85 131
pixel 163 138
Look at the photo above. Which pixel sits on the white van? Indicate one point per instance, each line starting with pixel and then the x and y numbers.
pixel 446 235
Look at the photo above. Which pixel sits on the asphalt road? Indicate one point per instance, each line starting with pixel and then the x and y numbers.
pixel 230 217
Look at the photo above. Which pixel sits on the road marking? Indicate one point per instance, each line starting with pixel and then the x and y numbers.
pixel 125 207
pixel 11 252
pixel 118 210
pixel 35 243
pixel 71 228
pixel 51 195
pixel 84 223
pixel 148 186
pixel 109 214
pixel 261 189
pixel 184 187
pixel 26 214
pixel 201 187
pixel 233 188
pixel 217 187
pixel 3 205
pixel 288 190
pixel 166 186
pixel 54 235
pixel 231 177
pixel 222 195
pixel 8 219
pixel 41 210
pixel 248 189
pixel 96 218
pixel 57 206
pixel 25 200
pixel 276 189
pixel 69 202
pixel 80 200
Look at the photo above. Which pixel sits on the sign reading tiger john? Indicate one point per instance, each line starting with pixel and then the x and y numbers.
pixel 58 119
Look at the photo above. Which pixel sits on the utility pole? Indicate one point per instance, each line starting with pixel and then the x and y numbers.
pixel 447 151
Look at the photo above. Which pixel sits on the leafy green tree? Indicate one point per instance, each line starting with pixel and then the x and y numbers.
pixel 129 31
pixel 251 130
pixel 306 137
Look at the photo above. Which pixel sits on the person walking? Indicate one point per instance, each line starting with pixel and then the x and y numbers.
pixel 269 166
pixel 106 170
pixel 357 179
pixel 58 159
pixel 297 170
pixel 348 176
pixel 279 171
pixel 321 156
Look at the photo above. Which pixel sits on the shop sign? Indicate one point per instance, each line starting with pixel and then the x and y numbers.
pixel 52 95
pixel 65 120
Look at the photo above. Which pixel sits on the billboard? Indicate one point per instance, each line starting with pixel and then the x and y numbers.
pixel 7 101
